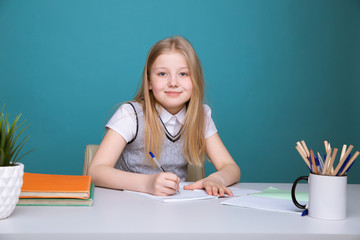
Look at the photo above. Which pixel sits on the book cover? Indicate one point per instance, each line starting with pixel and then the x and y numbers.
pixel 37 185
pixel 58 201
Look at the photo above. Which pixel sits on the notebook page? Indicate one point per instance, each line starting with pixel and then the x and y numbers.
pixel 187 195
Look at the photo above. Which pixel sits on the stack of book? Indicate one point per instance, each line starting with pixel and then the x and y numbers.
pixel 56 190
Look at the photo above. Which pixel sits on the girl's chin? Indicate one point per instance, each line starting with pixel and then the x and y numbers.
pixel 173 109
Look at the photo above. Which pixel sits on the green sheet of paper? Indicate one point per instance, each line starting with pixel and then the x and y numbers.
pixel 272 192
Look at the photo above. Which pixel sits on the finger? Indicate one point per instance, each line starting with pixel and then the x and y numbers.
pixel 171 184
pixel 161 190
pixel 165 192
pixel 166 188
pixel 195 185
pixel 208 190
pixel 170 176
pixel 165 184
pixel 228 192
pixel 173 177
pixel 169 191
pixel 178 184
pixel 214 190
pixel 222 192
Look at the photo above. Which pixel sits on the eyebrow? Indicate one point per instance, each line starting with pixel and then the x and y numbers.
pixel 167 68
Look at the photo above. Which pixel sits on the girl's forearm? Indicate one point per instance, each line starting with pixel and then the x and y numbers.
pixel 228 175
pixel 109 177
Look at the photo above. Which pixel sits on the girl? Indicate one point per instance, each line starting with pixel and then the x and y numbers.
pixel 166 117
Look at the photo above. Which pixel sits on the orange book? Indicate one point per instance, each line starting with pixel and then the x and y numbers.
pixel 37 185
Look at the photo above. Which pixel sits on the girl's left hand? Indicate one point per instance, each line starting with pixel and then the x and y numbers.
pixel 211 187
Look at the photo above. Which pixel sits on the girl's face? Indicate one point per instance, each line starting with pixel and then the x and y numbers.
pixel 170 81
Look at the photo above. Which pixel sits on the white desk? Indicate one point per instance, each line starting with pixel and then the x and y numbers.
pixel 122 215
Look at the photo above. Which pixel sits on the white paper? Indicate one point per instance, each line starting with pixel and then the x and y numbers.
pixel 187 195
pixel 242 191
pixel 264 203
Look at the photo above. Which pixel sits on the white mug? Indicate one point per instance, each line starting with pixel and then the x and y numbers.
pixel 327 196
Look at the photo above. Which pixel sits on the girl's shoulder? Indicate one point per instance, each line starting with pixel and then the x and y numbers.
pixel 207 109
pixel 125 120
pixel 129 108
pixel 126 109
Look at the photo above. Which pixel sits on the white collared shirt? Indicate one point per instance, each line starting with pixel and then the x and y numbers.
pixel 124 121
pixel 172 122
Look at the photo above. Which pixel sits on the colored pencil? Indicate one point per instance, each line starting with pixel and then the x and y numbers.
pixel 302 154
pixel 321 162
pixel 346 168
pixel 327 161
pixel 342 160
pixel 305 147
pixel 330 168
pixel 343 151
pixel 301 148
pixel 326 145
pixel 312 156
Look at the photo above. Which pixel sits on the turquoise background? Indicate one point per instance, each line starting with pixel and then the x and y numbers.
pixel 276 72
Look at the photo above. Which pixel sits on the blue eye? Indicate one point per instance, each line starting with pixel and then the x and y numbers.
pixel 184 74
pixel 162 74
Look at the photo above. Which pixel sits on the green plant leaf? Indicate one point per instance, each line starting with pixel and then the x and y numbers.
pixel 3 132
pixel 10 143
pixel 16 160
pixel 2 157
pixel 19 147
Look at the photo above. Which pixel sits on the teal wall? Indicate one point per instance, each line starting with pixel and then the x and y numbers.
pixel 276 72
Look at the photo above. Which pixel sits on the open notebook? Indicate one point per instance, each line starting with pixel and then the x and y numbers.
pixel 271 199
pixel 187 195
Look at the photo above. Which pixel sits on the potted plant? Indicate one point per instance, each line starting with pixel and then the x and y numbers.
pixel 11 171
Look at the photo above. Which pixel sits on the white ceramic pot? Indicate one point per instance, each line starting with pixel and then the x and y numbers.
pixel 11 180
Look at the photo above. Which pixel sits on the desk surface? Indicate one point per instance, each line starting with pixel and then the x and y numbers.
pixel 122 215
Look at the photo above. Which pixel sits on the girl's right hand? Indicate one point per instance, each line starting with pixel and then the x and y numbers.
pixel 163 184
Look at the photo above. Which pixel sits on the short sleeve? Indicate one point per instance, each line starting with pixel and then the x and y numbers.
pixel 210 128
pixel 124 122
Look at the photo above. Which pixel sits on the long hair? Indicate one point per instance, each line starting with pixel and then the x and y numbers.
pixel 194 123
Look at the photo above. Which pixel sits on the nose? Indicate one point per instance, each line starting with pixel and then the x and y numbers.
pixel 173 81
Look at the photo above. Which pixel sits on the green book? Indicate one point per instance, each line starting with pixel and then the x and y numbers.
pixel 58 201
pixel 272 192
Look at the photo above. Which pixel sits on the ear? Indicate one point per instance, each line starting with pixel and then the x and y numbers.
pixel 149 85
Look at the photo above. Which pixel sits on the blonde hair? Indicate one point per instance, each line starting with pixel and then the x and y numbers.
pixel 193 129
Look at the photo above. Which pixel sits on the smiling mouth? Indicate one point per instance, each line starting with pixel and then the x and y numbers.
pixel 172 93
